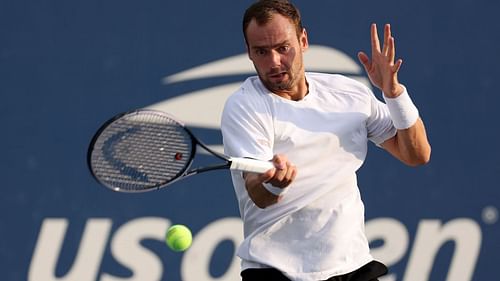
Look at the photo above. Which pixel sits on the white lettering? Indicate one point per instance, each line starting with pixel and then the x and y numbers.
pixel 126 248
pixel 395 241
pixel 431 235
pixel 145 265
pixel 49 244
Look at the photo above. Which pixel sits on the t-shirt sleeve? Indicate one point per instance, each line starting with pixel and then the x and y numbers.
pixel 379 124
pixel 246 126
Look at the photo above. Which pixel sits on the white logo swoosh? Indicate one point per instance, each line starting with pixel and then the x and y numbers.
pixel 316 58
pixel 203 108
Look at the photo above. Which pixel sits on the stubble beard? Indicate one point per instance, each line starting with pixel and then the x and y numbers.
pixel 287 84
pixel 291 79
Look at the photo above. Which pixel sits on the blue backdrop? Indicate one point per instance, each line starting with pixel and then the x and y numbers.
pixel 67 66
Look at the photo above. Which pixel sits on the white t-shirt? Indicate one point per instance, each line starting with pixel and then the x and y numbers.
pixel 317 230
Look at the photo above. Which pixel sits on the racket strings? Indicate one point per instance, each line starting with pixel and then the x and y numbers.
pixel 141 152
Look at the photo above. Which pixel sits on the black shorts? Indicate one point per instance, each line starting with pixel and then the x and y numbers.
pixel 369 272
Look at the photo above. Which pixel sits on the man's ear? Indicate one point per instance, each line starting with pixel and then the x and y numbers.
pixel 304 42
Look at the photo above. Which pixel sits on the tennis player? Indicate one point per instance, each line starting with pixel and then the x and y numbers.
pixel 304 219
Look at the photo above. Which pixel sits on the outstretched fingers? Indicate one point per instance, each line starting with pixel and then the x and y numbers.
pixel 388 40
pixel 374 39
pixel 364 60
pixel 397 66
pixel 391 47
pixel 381 67
pixel 391 50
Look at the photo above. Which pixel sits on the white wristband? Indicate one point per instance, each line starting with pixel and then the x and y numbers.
pixel 273 189
pixel 403 112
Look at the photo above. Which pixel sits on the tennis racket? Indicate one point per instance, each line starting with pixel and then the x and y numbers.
pixel 146 150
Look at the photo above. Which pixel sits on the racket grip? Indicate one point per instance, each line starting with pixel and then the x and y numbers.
pixel 250 165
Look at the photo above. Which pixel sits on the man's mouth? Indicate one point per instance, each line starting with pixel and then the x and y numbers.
pixel 279 75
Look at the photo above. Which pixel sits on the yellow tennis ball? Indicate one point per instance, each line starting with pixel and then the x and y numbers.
pixel 178 238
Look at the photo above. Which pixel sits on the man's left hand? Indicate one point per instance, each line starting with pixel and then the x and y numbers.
pixel 381 68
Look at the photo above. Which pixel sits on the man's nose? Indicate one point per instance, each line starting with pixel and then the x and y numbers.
pixel 275 58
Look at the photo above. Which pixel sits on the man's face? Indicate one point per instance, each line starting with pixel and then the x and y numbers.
pixel 276 53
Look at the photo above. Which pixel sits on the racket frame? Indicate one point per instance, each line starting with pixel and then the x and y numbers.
pixel 186 172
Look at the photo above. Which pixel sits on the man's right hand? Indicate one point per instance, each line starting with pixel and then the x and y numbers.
pixel 281 176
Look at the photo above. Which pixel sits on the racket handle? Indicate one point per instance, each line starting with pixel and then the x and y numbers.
pixel 250 165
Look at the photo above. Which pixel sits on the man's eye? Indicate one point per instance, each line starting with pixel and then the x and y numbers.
pixel 260 52
pixel 284 49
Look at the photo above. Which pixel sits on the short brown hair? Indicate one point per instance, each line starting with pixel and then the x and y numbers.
pixel 262 11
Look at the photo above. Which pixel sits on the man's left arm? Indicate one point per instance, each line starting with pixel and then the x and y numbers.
pixel 410 144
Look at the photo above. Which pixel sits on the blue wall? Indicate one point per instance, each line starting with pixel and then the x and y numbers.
pixel 67 66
